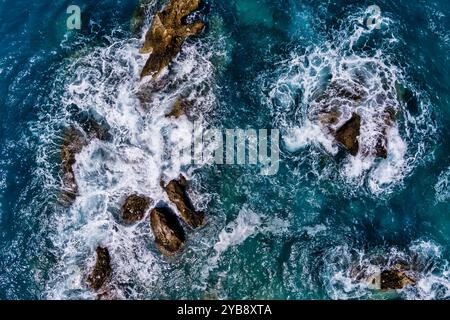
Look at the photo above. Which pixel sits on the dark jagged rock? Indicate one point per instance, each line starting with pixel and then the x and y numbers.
pixel 135 207
pixel 102 270
pixel 176 191
pixel 167 229
pixel 394 275
pixel 95 130
pixel 395 279
pixel 350 91
pixel 74 141
pixel 348 134
pixel 380 147
pixel 167 34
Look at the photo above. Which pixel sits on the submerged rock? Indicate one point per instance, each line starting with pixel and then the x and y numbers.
pixel 348 134
pixel 102 270
pixel 167 229
pixel 139 16
pixel 176 191
pixel 179 109
pixel 167 34
pixel 330 117
pixel 135 207
pixel 95 130
pixel 380 147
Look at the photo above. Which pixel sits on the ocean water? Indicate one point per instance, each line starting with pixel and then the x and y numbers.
pixel 298 234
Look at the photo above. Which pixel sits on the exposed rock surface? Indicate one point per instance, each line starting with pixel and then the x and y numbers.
pixel 168 33
pixel 348 134
pixel 327 110
pixel 74 141
pixel 390 279
pixel 395 279
pixel 135 207
pixel 179 109
pixel 167 229
pixel 176 191
pixel 102 270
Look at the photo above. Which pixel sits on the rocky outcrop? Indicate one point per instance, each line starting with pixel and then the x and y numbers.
pixel 176 191
pixel 390 279
pixel 102 270
pixel 135 207
pixel 381 146
pixel 73 143
pixel 335 101
pixel 347 134
pixel 395 279
pixel 167 229
pixel 167 34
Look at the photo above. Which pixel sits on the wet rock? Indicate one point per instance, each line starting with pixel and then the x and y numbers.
pixel 331 117
pixel 390 279
pixel 167 34
pixel 380 147
pixel 348 133
pixel 95 130
pixel 102 270
pixel 341 95
pixel 179 109
pixel 167 229
pixel 135 207
pixel 176 191
pixel 73 143
pixel 394 279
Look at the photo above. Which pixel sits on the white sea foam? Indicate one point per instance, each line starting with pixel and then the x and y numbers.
pixel 442 186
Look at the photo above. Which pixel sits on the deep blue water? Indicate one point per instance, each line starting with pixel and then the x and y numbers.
pixel 299 234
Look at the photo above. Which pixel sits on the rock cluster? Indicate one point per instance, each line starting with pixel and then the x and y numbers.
pixel 163 41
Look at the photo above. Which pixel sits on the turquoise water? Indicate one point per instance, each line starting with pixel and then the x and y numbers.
pixel 299 234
